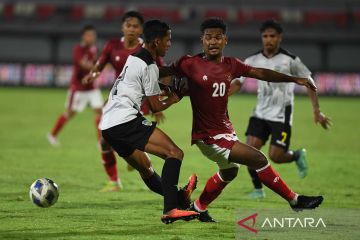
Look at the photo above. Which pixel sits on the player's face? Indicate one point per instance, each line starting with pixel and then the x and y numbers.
pixel 132 28
pixel 89 37
pixel 214 41
pixel 271 39
pixel 163 44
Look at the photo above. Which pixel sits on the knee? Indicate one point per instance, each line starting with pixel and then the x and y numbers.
pixel 229 174
pixel 146 172
pixel 275 157
pixel 105 146
pixel 175 152
pixel 69 114
pixel 262 160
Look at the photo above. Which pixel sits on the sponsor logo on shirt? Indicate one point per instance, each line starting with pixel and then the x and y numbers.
pixel 205 77
pixel 117 58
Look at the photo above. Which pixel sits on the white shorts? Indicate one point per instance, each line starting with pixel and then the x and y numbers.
pixel 218 148
pixel 78 100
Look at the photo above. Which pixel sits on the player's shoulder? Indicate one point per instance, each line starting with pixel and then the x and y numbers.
pixel 188 58
pixel 287 53
pixel 144 56
pixel 254 55
pixel 232 60
pixel 113 43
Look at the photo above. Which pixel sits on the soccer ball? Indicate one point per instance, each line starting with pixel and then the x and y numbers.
pixel 44 192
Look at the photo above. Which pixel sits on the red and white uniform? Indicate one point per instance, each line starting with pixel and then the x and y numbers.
pixel 209 83
pixel 80 95
pixel 116 54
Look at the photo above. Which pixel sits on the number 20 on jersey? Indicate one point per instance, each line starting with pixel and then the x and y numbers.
pixel 219 89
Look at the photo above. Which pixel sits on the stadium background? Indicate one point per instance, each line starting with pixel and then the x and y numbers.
pixel 36 41
pixel 37 36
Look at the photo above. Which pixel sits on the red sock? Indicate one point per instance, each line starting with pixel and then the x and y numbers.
pixel 212 190
pixel 272 180
pixel 97 121
pixel 109 162
pixel 59 124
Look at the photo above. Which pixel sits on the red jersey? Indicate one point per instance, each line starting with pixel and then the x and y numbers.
pixel 81 53
pixel 209 83
pixel 115 53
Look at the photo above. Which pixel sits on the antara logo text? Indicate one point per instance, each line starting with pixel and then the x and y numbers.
pixel 284 222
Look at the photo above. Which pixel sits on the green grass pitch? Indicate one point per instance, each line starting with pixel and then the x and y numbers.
pixel 26 115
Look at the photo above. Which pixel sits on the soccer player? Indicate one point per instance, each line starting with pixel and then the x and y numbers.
pixel 80 95
pixel 116 52
pixel 275 101
pixel 209 77
pixel 130 134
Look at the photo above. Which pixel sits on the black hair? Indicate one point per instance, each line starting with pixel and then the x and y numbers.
pixel 271 24
pixel 213 23
pixel 155 29
pixel 88 28
pixel 134 14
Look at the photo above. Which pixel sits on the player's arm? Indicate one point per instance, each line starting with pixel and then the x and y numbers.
pixel 235 86
pixel 96 69
pixel 153 90
pixel 319 117
pixel 273 76
pixel 80 60
pixel 157 105
pixel 298 68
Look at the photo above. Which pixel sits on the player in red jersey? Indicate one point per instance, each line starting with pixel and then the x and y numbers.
pixel 209 77
pixel 80 95
pixel 116 52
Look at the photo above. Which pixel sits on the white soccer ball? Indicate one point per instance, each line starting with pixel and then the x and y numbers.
pixel 44 192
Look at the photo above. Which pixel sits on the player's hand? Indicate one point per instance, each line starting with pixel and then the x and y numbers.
pixel 307 82
pixel 91 77
pixel 179 87
pixel 325 122
pixel 159 117
pixel 173 97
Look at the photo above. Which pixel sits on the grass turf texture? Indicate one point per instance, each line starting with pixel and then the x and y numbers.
pixel 134 213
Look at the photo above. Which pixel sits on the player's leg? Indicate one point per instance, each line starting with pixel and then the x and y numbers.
pixel 279 148
pixel 98 112
pixel 96 102
pixel 216 183
pixel 257 134
pixel 110 166
pixel 162 146
pixel 213 188
pixel 71 109
pixel 244 154
pixel 258 192
pixel 140 161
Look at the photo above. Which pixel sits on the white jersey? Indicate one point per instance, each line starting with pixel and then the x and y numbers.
pixel 276 100
pixel 139 78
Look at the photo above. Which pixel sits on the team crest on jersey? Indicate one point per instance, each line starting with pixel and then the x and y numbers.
pixel 228 77
pixel 147 122
pixel 117 58
pixel 205 77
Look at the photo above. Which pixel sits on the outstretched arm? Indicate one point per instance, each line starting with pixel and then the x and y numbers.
pixel 94 73
pixel 273 76
pixel 235 86
pixel 319 117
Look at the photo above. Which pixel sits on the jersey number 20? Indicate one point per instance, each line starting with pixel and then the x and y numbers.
pixel 219 89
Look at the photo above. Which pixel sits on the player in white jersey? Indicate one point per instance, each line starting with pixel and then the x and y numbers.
pixel 273 112
pixel 131 135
